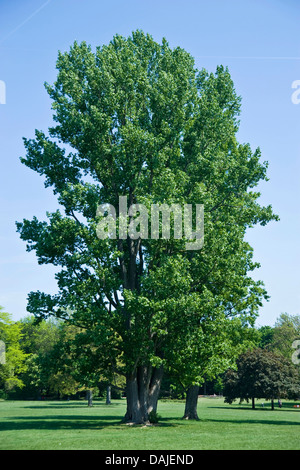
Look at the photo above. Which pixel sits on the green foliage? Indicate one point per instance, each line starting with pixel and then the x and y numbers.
pixel 154 417
pixel 286 331
pixel 281 337
pixel 266 334
pixel 261 374
pixel 15 357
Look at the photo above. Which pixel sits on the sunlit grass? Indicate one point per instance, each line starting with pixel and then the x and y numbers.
pixel 73 425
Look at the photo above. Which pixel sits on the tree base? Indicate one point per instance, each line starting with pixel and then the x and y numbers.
pixel 191 416
pixel 191 402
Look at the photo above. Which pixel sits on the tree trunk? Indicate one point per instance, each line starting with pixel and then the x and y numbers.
pixel 191 402
pixel 272 404
pixel 108 395
pixel 89 395
pixel 253 403
pixel 154 389
pixel 142 391
pixel 136 412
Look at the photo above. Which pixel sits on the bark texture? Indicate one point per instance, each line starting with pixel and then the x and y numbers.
pixel 108 395
pixel 191 403
pixel 142 392
pixel 89 394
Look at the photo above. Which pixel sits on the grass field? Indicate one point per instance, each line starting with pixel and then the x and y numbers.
pixel 72 425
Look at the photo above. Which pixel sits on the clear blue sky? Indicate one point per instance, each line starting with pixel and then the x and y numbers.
pixel 257 39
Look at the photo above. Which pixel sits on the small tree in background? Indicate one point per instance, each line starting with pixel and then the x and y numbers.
pixel 261 374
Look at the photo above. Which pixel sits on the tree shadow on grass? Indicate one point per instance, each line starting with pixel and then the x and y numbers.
pixel 80 422
pixel 259 408
pixel 70 405
pixel 62 422
pixel 252 420
pixel 73 422
pixel 255 421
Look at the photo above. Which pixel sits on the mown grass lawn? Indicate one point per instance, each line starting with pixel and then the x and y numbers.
pixel 72 425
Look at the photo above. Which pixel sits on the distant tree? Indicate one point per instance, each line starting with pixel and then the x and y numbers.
pixel 63 359
pixel 14 361
pixel 261 374
pixel 37 341
pixel 286 331
pixel 265 336
pixel 88 359
pixel 38 337
pixel 61 365
pixel 285 319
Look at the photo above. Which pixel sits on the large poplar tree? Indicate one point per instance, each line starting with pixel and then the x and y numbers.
pixel 135 118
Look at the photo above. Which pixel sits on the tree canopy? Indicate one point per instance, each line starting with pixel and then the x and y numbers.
pixel 136 119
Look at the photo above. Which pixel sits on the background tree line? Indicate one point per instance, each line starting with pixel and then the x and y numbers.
pixel 52 359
